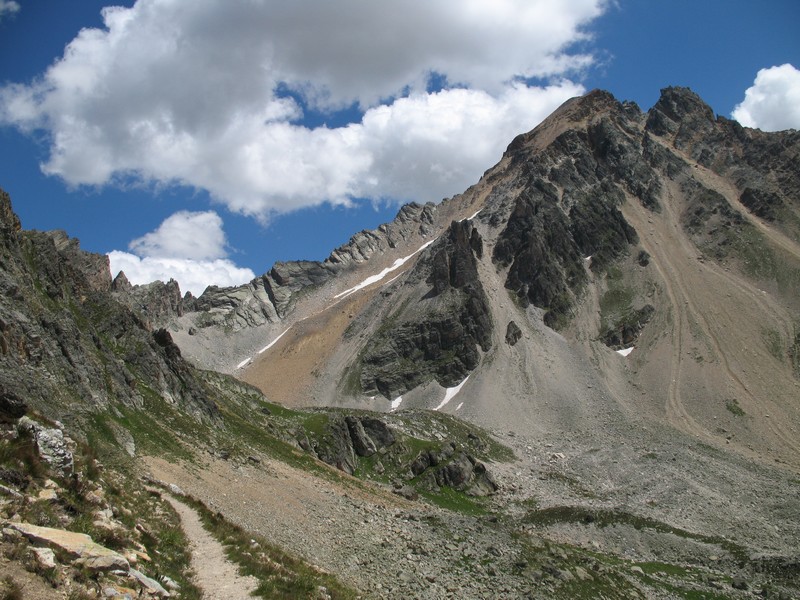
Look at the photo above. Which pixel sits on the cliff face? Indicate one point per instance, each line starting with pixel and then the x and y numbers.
pixel 441 336
pixel 66 345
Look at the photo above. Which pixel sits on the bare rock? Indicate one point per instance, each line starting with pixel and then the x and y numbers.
pixel 513 333
pixel 76 546
pixel 45 558
pixel 51 445
pixel 151 586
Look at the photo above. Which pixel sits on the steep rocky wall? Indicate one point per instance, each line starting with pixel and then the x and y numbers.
pixel 66 345
pixel 439 335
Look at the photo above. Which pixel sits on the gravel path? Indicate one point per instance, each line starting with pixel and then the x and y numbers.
pixel 214 573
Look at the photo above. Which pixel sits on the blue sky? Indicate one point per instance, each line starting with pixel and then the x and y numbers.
pixel 206 140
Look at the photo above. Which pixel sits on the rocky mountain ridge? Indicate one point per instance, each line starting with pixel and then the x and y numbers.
pixel 564 221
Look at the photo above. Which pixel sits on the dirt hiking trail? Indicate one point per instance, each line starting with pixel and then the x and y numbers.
pixel 214 573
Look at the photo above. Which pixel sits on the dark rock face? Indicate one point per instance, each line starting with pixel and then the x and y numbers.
pixel 12 407
pixel 765 204
pixel 763 165
pixel 565 204
pixel 544 260
pixel 626 330
pixel 64 337
pixel 347 438
pixel 513 333
pixel 155 303
pixel 467 474
pixel 378 431
pixel 438 337
pixel 598 227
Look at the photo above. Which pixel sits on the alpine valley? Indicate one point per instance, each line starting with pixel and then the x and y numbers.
pixel 578 379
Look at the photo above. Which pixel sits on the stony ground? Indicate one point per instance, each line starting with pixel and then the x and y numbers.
pixel 390 547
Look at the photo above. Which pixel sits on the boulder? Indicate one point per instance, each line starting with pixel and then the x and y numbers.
pixel 513 333
pixel 51 445
pixel 45 558
pixel 466 474
pixel 151 586
pixel 420 463
pixel 76 546
pixel 408 492
pixel 380 433
pixel 362 443
pixel 345 439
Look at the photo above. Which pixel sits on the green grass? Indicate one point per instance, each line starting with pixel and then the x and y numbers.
pixel 455 501
pixel 733 407
pixel 604 518
pixel 773 343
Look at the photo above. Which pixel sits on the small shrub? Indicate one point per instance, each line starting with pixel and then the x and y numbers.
pixel 734 408
pixel 11 589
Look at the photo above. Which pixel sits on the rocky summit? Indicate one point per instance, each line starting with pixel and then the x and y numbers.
pixel 579 378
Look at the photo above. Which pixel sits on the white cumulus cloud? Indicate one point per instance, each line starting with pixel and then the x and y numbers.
pixel 773 102
pixel 8 7
pixel 210 94
pixel 189 247
pixel 193 235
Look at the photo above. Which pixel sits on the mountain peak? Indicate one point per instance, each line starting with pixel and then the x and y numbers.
pixel 680 111
pixel 679 102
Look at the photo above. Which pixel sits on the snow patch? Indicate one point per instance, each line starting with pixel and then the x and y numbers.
pixel 475 214
pixel 625 351
pixel 391 280
pixel 396 403
pixel 450 393
pixel 376 278
pixel 459 406
pixel 248 360
pixel 275 341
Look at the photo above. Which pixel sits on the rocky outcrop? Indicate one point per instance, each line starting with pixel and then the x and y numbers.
pixel 65 337
pixel 545 267
pixel 762 165
pixel 155 303
pixel 513 333
pixel 624 332
pixel 412 221
pixel 349 437
pixel 565 203
pixel 448 467
pixel 439 336
pixel 271 297
pixel 51 444
pixel 466 474
pixel 78 547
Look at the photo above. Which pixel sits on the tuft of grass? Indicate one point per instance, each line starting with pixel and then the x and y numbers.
pixel 733 407
pixel 774 343
pixel 456 501
pixel 11 589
